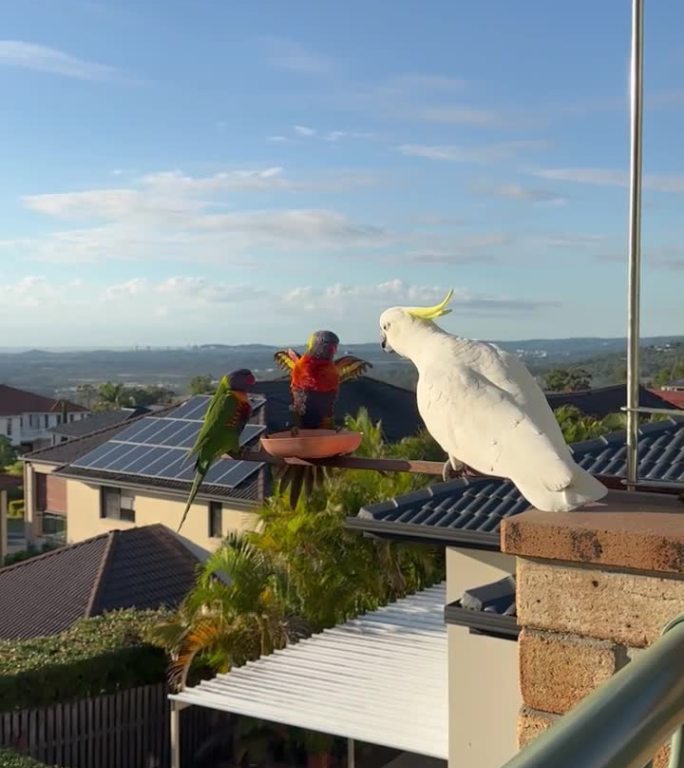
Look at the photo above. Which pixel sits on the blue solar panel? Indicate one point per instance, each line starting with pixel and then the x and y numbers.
pixel 157 447
pixel 191 409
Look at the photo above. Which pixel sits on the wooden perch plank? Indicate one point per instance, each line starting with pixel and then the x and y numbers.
pixel 353 462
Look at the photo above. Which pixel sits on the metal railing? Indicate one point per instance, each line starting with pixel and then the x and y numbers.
pixel 634 262
pixel 623 723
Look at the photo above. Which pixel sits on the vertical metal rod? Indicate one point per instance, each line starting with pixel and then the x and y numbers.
pixel 174 734
pixel 634 282
pixel 351 754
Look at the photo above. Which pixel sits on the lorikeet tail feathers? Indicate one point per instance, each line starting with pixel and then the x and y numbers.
pixel 201 469
pixel 299 478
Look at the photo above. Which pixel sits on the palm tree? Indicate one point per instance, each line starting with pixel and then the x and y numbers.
pixel 303 571
pixel 237 611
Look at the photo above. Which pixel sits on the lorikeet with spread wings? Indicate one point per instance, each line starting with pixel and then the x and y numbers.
pixel 315 379
pixel 226 416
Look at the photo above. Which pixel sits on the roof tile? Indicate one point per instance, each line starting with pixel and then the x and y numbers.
pixel 145 567
pixel 471 511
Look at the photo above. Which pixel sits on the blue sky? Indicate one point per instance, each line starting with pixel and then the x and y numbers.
pixel 183 172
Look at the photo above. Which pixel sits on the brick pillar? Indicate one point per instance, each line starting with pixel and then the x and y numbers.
pixel 593 587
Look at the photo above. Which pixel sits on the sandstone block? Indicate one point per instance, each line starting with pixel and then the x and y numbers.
pixel 630 609
pixel 558 670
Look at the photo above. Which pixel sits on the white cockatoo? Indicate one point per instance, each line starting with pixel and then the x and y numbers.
pixel 486 410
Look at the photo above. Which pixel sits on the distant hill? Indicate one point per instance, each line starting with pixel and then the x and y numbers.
pixel 60 371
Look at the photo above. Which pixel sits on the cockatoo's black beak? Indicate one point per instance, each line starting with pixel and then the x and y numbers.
pixel 385 344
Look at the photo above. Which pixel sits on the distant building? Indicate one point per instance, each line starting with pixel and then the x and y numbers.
pixel 138 472
pixel 26 418
pixel 94 422
pixel 144 568
pixel 601 401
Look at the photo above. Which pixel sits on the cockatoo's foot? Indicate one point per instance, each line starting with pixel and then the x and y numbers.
pixel 449 472
pixel 294 431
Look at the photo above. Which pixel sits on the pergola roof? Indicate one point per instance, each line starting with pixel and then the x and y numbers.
pixel 380 678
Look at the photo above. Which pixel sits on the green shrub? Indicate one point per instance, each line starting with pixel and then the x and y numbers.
pixel 95 656
pixel 16 508
pixel 10 759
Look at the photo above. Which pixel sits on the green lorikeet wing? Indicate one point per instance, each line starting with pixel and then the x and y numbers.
pixel 351 367
pixel 226 416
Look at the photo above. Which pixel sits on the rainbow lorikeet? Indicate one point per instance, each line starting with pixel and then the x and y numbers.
pixel 315 379
pixel 226 416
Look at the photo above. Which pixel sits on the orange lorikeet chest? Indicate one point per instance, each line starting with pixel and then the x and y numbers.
pixel 315 375
pixel 242 412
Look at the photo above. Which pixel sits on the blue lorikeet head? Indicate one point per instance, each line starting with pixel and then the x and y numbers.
pixel 323 345
pixel 241 380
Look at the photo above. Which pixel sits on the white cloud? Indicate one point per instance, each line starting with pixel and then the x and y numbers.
pixel 513 191
pixel 485 153
pixel 304 130
pixel 173 216
pixel 40 58
pixel 277 139
pixel 293 57
pixel 340 298
pixel 610 177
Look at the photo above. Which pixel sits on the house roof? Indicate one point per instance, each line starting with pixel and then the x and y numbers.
pixel 248 491
pixel 674 397
pixel 470 511
pixel 394 406
pixel 601 401
pixel 14 402
pixel 74 456
pixel 97 421
pixel 64 453
pixel 145 567
pixel 380 678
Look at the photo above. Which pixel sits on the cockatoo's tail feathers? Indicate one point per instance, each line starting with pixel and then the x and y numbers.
pixel 430 313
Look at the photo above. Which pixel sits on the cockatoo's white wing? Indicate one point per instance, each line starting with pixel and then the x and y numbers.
pixel 506 371
pixel 482 425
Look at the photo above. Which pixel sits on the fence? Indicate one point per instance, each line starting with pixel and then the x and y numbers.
pixel 128 729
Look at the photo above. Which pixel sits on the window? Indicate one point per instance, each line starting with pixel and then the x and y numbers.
pixel 215 520
pixel 71 417
pixel 46 421
pixel 9 427
pixel 117 504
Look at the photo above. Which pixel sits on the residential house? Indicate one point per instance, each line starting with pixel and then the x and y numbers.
pixel 94 422
pixel 146 567
pixel 464 516
pixel 394 406
pixel 26 418
pixel 601 401
pixel 673 394
pixel 138 472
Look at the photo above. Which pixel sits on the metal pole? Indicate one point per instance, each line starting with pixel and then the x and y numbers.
pixel 351 756
pixel 634 287
pixel 175 708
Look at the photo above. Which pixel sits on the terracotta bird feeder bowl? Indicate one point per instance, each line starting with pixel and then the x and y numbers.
pixel 311 443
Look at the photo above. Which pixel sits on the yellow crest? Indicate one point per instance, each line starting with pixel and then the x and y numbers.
pixel 430 313
pixel 310 342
